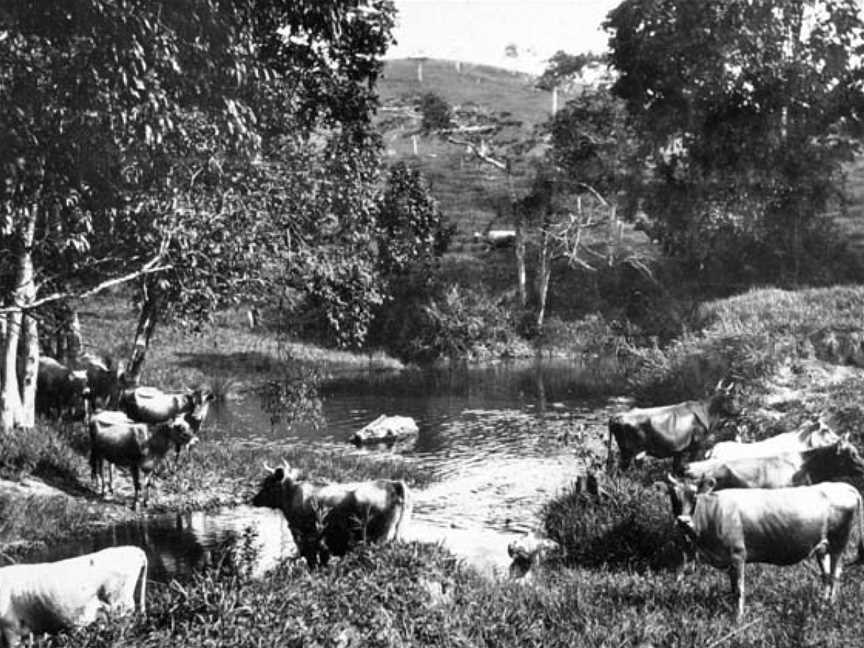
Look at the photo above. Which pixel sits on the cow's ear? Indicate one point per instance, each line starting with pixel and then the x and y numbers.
pixel 707 485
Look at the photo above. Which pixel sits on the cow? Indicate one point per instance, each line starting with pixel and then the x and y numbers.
pixel 119 440
pixel 49 597
pixel 669 430
pixel 812 436
pixel 527 553
pixel 827 463
pixel 60 391
pixel 330 519
pixel 103 379
pixel 778 526
pixel 152 405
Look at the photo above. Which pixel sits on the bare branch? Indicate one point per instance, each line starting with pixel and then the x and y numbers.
pixel 149 268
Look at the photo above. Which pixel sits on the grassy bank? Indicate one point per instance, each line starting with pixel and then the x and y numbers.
pixel 614 582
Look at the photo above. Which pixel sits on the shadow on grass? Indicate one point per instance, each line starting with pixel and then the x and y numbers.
pixel 239 362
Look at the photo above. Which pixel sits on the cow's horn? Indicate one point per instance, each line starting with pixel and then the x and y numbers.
pixel 671 479
pixel 719 385
pixel 269 469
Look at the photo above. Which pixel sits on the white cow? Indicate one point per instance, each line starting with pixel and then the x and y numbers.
pixel 816 435
pixel 49 597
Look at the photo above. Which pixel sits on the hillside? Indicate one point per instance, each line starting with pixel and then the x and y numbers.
pixel 471 193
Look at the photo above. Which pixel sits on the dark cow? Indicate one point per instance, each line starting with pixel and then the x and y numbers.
pixel 815 435
pixel 49 597
pixel 119 440
pixel 779 526
pixel 60 391
pixel 330 519
pixel 152 405
pixel 103 380
pixel 670 430
pixel 828 463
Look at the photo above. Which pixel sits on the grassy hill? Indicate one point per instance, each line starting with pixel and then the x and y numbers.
pixel 471 193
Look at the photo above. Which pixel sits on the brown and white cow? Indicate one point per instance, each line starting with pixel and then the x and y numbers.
pixel 49 597
pixel 670 430
pixel 117 439
pixel 331 518
pixel 780 526
pixel 827 463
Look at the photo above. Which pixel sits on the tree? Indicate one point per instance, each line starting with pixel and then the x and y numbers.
pixel 126 151
pixel 747 110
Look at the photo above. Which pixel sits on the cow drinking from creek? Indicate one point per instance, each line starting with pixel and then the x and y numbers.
pixel 827 463
pixel 780 526
pixel 49 597
pixel 330 518
pixel 670 430
pixel 117 439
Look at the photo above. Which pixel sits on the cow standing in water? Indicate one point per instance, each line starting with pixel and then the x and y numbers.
pixel 670 430
pixel 330 519
pixel 780 526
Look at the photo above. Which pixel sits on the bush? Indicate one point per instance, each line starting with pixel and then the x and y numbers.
pixel 43 452
pixel 627 526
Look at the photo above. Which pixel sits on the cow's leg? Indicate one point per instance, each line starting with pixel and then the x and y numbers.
pixel 111 478
pixel 148 479
pixel 834 576
pixel 136 484
pixel 677 464
pixel 625 459
pixel 736 580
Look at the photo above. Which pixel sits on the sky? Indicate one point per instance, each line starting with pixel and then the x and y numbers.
pixel 478 31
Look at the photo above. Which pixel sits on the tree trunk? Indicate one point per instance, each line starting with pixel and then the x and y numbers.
pixel 544 274
pixel 519 243
pixel 143 334
pixel 74 340
pixel 13 413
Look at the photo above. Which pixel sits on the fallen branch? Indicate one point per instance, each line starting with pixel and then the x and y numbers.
pixel 731 634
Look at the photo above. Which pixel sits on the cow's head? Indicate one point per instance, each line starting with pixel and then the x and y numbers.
pixel 276 486
pixel 198 405
pixel 842 458
pixel 725 402
pixel 181 433
pixel 683 495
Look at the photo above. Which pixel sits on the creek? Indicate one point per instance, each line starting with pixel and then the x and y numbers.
pixel 496 441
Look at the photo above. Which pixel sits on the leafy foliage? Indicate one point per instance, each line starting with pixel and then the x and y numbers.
pixel 435 113
pixel 747 111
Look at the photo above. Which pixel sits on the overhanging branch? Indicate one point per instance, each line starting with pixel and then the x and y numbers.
pixel 149 268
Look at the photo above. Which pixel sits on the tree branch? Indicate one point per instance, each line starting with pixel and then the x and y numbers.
pixel 149 268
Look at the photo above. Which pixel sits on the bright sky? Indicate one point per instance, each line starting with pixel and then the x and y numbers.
pixel 478 31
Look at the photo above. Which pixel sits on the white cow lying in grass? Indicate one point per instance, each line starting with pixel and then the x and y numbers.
pixel 49 597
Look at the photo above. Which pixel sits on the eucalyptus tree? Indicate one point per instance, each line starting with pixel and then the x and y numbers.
pixel 747 110
pixel 170 143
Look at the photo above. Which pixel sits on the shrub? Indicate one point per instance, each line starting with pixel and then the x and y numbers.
pixel 627 526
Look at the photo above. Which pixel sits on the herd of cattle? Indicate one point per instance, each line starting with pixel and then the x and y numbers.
pixel 777 501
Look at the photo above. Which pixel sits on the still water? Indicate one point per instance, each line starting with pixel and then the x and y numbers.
pixel 498 441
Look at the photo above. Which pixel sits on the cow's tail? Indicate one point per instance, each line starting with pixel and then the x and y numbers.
pixel 142 597
pixel 402 500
